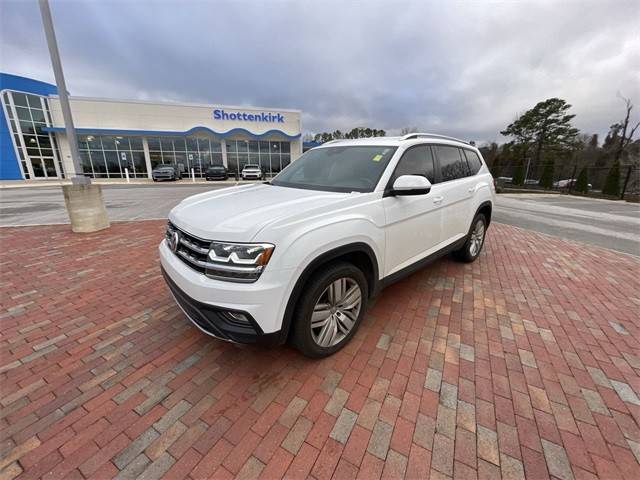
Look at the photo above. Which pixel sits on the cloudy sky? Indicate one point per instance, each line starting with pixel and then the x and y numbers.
pixel 463 68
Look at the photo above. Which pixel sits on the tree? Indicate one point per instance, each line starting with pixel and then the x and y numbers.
pixel 358 132
pixel 582 184
pixel 323 137
pixel 408 130
pixel 518 175
pixel 622 128
pixel 523 136
pixel 612 183
pixel 546 179
pixel 546 127
pixel 489 153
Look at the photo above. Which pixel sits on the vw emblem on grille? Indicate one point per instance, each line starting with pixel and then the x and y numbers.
pixel 174 241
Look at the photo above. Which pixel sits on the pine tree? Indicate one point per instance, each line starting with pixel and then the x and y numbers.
pixel 546 179
pixel 518 175
pixel 547 125
pixel 612 183
pixel 582 184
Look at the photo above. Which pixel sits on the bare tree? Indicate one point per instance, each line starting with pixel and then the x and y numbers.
pixel 625 139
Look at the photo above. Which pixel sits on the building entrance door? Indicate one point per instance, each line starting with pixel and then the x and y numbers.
pixel 41 168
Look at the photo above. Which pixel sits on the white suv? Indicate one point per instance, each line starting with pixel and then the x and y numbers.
pixel 299 257
pixel 251 171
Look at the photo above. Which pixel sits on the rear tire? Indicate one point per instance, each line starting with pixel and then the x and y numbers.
pixel 475 240
pixel 336 297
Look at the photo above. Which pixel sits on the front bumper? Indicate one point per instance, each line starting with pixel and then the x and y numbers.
pixel 206 301
pixel 215 321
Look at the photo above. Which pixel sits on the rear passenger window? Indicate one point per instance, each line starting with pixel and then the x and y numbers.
pixel 475 164
pixel 416 161
pixel 452 164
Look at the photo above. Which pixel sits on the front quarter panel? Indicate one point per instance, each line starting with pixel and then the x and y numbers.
pixel 300 241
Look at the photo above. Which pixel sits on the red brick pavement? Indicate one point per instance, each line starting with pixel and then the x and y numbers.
pixel 524 363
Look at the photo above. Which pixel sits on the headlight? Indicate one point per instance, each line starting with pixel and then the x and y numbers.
pixel 240 262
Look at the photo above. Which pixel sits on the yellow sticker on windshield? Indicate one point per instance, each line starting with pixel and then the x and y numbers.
pixel 377 158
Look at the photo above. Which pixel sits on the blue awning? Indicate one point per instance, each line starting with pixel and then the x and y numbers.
pixel 151 133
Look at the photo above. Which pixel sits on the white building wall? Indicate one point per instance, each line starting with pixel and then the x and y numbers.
pixel 138 116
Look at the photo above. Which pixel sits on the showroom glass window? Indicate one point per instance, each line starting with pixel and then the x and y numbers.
pixel 453 164
pixel 271 155
pixel 186 152
pixel 107 156
pixel 27 116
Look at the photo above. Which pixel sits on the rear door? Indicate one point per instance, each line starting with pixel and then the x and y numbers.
pixel 412 221
pixel 480 182
pixel 456 190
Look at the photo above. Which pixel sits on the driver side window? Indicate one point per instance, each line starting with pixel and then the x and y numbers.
pixel 416 160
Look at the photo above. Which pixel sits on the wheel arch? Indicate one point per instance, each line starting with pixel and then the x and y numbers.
pixel 358 253
pixel 486 209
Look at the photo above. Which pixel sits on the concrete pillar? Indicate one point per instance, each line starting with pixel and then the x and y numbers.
pixel 223 145
pixel 86 207
pixel 147 157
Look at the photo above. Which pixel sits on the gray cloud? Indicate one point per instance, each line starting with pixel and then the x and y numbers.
pixel 462 68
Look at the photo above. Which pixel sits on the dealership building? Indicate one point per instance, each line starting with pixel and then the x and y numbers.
pixel 116 137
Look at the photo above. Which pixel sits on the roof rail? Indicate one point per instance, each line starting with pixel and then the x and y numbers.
pixel 332 141
pixel 411 136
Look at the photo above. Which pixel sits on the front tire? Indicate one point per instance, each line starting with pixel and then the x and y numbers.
pixel 475 240
pixel 330 310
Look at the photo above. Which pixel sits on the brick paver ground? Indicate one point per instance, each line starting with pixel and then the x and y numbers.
pixel 526 362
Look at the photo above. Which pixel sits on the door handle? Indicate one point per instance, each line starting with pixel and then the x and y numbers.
pixel 472 189
pixel 438 199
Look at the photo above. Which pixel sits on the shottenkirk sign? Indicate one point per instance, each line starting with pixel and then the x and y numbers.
pixel 219 114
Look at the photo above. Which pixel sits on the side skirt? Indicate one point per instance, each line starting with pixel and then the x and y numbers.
pixel 420 264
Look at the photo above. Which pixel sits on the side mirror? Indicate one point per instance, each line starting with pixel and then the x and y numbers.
pixel 411 185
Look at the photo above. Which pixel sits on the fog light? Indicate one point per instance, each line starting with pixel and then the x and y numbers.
pixel 238 317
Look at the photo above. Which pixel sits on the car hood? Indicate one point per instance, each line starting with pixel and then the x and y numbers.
pixel 238 214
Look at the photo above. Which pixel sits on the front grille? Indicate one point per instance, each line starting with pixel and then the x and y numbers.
pixel 191 250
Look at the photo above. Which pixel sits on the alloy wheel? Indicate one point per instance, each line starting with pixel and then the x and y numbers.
pixel 336 312
pixel 477 237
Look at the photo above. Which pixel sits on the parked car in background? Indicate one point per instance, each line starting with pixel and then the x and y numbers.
pixel 299 258
pixel 568 183
pixel 166 172
pixel 251 172
pixel 562 183
pixel 504 180
pixel 216 172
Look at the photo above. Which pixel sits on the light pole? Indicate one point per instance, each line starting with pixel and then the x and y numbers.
pixel 50 34
pixel 84 202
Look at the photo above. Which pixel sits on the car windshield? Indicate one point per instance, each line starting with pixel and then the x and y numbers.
pixel 337 169
pixel 252 166
pixel 164 169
